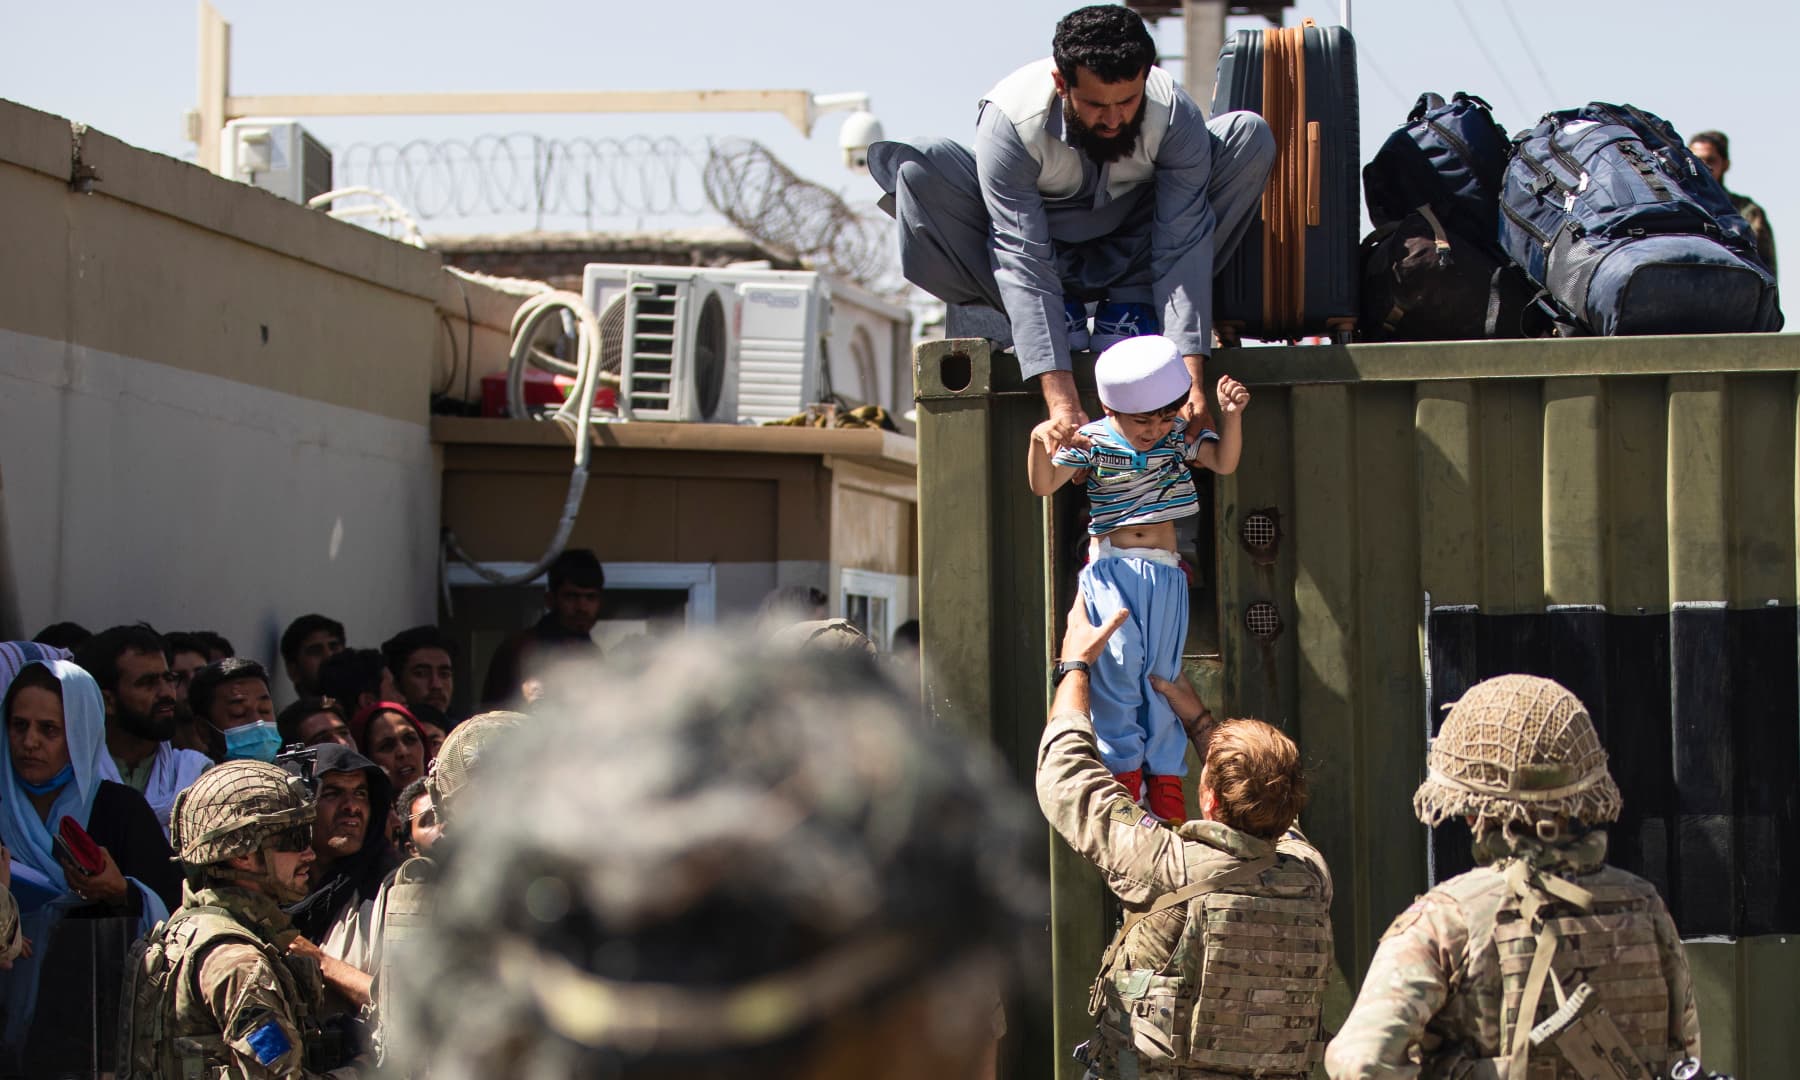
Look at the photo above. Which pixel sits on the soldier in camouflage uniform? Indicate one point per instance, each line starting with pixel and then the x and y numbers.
pixel 1541 919
pixel 1220 967
pixel 212 992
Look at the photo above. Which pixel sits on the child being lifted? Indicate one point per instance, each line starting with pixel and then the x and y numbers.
pixel 1135 463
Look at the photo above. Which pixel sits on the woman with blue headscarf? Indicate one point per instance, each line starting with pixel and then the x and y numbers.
pixel 54 766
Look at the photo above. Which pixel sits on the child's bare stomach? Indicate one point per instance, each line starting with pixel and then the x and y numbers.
pixel 1160 534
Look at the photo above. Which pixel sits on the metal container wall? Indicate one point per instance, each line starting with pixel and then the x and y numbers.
pixel 1407 519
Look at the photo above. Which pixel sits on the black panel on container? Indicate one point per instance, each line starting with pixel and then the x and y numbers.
pixel 1699 710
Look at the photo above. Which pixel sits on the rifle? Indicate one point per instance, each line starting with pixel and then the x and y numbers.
pixel 300 760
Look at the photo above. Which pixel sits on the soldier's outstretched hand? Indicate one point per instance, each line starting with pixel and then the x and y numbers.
pixel 1083 640
pixel 1234 396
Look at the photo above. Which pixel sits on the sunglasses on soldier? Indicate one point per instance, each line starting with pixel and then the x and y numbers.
pixel 297 839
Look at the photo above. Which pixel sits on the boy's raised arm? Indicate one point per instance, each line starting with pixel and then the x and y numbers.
pixel 1222 456
pixel 1049 466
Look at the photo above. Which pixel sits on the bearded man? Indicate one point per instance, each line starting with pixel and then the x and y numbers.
pixel 1093 178
pixel 131 664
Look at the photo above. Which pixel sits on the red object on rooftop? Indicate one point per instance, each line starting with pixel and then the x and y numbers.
pixel 541 390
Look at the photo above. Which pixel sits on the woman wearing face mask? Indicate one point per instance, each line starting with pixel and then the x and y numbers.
pixel 231 703
pixel 55 767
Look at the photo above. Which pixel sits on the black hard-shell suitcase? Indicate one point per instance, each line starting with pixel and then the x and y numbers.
pixel 1296 273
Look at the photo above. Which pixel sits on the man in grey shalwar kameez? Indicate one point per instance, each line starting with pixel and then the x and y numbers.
pixel 1093 177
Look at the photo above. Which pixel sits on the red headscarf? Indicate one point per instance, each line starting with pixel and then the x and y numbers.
pixel 359 724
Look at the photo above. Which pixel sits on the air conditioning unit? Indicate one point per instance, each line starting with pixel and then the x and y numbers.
pixel 670 333
pixel 780 334
pixel 278 156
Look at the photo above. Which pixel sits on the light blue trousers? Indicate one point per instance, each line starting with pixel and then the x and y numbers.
pixel 1136 726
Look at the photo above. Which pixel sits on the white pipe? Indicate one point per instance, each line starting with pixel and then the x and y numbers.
pixel 575 414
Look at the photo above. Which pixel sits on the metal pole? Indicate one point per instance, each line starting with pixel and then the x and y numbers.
pixel 215 86
pixel 1344 13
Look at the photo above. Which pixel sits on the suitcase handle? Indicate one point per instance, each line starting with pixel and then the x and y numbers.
pixel 1314 164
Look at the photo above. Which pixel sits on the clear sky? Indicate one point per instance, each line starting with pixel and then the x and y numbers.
pixel 127 67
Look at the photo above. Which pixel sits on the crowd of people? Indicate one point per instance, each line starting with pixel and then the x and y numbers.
pixel 107 731
pixel 183 859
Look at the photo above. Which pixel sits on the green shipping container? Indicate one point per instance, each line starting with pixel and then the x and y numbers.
pixel 1619 514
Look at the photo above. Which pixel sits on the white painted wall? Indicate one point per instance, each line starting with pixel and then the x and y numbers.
pixel 137 490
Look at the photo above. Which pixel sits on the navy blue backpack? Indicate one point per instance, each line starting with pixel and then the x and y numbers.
pixel 1433 269
pixel 1449 156
pixel 1608 211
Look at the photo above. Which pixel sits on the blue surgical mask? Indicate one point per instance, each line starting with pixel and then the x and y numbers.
pixel 55 783
pixel 257 742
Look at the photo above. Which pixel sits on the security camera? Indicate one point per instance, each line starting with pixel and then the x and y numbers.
pixel 860 130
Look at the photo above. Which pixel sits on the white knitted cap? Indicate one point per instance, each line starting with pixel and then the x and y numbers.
pixel 1141 374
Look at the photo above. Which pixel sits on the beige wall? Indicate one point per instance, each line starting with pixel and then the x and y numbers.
pixel 213 403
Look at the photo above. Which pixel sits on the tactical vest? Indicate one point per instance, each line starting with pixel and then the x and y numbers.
pixel 1243 987
pixel 1612 947
pixel 1027 97
pixel 165 1030
pixel 406 907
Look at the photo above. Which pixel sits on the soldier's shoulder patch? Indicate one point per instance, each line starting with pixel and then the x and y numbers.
pixel 1405 920
pixel 1129 813
pixel 269 1043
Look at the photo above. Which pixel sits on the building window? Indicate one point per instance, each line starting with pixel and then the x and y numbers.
pixel 874 603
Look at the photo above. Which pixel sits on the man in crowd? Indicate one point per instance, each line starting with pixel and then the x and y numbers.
pixel 572 603
pixel 186 655
pixel 422 661
pixel 313 721
pixel 210 992
pixel 356 679
pixel 234 710
pixel 419 827
pixel 1463 975
pixel 1714 151
pixel 825 887
pixel 306 644
pixel 350 840
pixel 1093 177
pixel 131 667
pixel 1203 899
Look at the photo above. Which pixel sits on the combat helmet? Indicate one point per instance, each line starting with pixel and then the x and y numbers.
pixel 232 809
pixel 1522 749
pixel 462 747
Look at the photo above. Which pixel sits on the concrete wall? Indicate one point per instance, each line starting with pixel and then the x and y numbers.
pixel 213 403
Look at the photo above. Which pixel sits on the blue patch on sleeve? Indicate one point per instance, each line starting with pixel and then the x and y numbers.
pixel 270 1043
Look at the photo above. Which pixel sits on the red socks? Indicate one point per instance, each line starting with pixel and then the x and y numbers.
pixel 1166 800
pixel 1133 781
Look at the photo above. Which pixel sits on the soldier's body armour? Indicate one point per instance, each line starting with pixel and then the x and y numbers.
pixel 406 908
pixel 1613 948
pixel 168 1032
pixel 1240 991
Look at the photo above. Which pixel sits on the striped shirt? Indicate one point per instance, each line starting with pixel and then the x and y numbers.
pixel 1128 486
